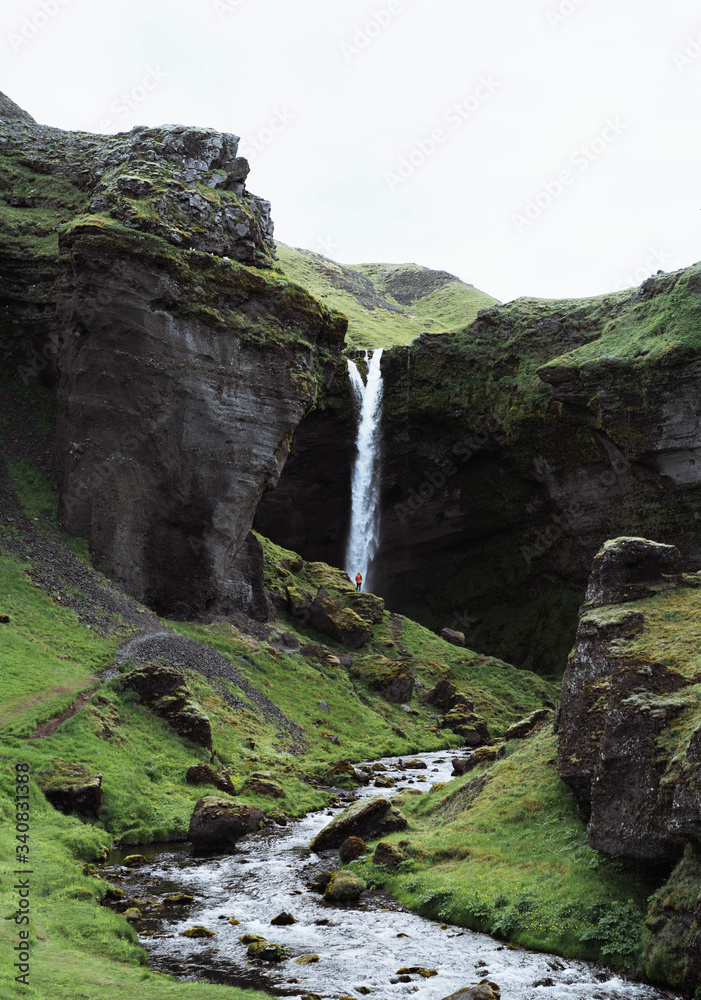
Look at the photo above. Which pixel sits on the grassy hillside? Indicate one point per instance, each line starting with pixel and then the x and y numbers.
pixel 386 304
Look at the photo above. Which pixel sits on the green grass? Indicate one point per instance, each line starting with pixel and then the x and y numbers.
pixel 47 656
pixel 363 293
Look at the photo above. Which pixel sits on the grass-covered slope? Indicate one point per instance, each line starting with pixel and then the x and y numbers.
pixel 386 304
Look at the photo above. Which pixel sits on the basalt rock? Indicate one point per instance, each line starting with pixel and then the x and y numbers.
pixel 482 755
pixel 344 886
pixel 329 616
pixel 263 786
pixel 164 690
pixel 363 818
pixel 351 849
pixel 217 822
pixel 629 721
pixel 205 774
pixel 525 727
pixel 393 680
pixel 71 787
pixel 453 637
pixel 388 855
pixel 182 359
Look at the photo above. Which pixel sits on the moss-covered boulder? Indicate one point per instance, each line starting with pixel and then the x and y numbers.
pixel 482 755
pixel 331 617
pixel 388 855
pixel 217 822
pixel 393 680
pixel 363 818
pixel 525 727
pixel 163 689
pixel 485 990
pixel 263 786
pixel 71 787
pixel 198 932
pixel 473 728
pixel 673 951
pixel 266 951
pixel 344 886
pixel 351 849
pixel 205 774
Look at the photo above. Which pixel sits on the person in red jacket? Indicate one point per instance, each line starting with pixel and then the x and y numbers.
pixel 358 581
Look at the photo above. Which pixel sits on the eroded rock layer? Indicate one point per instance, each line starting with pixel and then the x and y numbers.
pixel 138 278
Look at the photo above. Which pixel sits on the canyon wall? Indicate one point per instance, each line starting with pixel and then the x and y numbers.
pixel 512 450
pixel 138 279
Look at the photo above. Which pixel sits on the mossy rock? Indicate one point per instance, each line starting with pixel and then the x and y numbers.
pixel 178 899
pixel 133 913
pixel 306 959
pixel 344 886
pixel 262 786
pixel 198 932
pixel 71 787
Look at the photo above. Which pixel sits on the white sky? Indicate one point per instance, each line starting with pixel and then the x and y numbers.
pixel 338 96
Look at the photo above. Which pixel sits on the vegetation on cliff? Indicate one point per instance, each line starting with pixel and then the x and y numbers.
pixel 386 304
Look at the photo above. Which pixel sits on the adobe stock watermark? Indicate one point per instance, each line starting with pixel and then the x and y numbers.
pixel 436 478
pixel 562 12
pixel 580 161
pixel 454 118
pixel 252 145
pixel 131 99
pixel 326 246
pixel 654 262
pixel 366 33
pixel 562 524
pixel 35 23
pixel 690 54
pixel 223 8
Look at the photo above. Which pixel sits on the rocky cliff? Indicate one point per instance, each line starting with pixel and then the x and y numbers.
pixel 629 727
pixel 512 450
pixel 138 279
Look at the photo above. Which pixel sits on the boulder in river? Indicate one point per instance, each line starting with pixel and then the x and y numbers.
pixel 363 818
pixel 218 822
pixel 344 885
pixel 283 920
pixel 485 990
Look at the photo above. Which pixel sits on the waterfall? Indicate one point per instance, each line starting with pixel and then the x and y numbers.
pixel 365 489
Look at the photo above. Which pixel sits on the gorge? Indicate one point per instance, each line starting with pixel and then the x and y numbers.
pixel 199 426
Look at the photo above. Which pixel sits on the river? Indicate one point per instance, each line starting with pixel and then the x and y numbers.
pixel 361 946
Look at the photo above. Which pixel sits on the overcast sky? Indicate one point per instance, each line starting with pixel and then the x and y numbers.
pixel 532 147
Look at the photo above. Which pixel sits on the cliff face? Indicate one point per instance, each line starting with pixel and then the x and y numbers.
pixel 182 359
pixel 515 448
pixel 628 717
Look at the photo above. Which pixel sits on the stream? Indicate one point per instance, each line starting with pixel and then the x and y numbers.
pixel 361 946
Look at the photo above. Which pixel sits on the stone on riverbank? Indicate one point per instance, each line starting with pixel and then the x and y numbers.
pixel 218 822
pixel 351 849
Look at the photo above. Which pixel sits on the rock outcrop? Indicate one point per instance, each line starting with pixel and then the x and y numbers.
pixel 163 689
pixel 71 787
pixel 629 718
pixel 182 359
pixel 673 950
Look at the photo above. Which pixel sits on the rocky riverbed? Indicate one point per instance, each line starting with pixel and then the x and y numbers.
pixel 370 947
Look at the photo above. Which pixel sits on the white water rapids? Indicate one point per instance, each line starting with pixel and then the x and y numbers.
pixel 365 487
